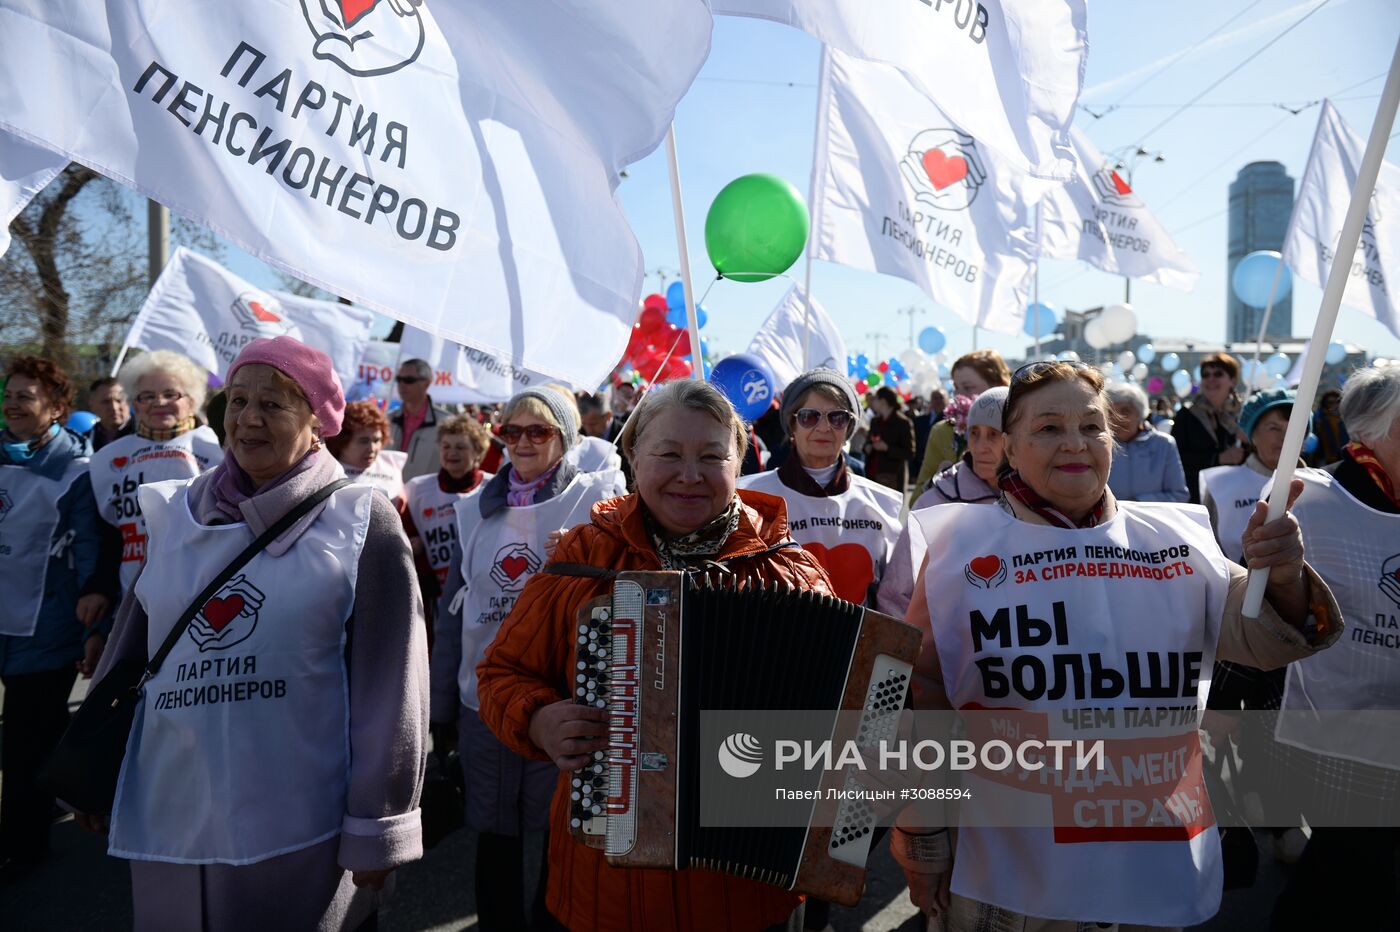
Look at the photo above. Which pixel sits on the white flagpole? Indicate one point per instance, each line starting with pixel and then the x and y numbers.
pixel 692 321
pixel 1268 310
pixel 1036 301
pixel 814 204
pixel 1327 315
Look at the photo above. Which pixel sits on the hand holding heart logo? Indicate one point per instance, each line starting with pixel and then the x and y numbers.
pixel 514 564
pixel 986 572
pixel 944 169
pixel 366 37
pixel 229 617
pixel 258 312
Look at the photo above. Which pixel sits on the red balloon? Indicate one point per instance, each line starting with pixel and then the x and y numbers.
pixel 682 340
pixel 883 367
pixel 861 386
pixel 655 302
pixel 654 318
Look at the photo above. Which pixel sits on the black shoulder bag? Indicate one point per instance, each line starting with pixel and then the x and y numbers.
pixel 82 771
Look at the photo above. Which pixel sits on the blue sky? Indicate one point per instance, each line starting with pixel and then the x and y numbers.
pixel 753 108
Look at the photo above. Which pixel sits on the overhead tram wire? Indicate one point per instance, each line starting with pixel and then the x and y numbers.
pixel 1172 60
pixel 1143 137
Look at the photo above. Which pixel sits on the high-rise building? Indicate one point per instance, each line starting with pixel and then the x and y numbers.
pixel 1261 200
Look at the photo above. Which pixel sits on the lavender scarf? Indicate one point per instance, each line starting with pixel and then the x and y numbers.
pixel 232 486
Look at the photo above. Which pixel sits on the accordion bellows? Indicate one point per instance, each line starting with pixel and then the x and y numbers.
pixel 662 648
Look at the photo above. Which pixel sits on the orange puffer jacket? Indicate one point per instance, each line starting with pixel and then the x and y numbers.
pixel 523 671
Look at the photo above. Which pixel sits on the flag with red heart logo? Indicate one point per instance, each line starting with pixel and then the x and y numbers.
pixel 201 309
pixel 1009 72
pixel 450 163
pixel 1097 216
pixel 899 187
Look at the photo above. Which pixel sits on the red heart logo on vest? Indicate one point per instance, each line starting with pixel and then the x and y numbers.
pixel 352 10
pixel 119 461
pixel 514 566
pixel 1121 185
pixel 427 512
pixel 850 567
pixel 944 170
pixel 219 612
pixel 986 567
pixel 262 313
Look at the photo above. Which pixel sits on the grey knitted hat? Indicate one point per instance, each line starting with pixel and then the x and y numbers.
pixel 559 407
pixel 986 410
pixel 818 376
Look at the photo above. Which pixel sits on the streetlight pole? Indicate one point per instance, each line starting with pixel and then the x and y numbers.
pixel 877 337
pixel 157 240
pixel 909 312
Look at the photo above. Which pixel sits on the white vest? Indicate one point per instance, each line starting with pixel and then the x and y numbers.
pixel 851 534
pixel 241 746
pixel 593 454
pixel 1235 489
pixel 1356 549
pixel 28 518
pixel 1141 596
pixel 501 553
pixel 434 514
pixel 126 464
pixel 385 474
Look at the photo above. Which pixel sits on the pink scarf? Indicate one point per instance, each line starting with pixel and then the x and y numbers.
pixel 522 492
pixel 232 486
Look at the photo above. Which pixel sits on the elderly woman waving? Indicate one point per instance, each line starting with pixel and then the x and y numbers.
pixel 273 772
pixel 169 443
pixel 503 534
pixel 1136 598
pixel 846 521
pixel 686 445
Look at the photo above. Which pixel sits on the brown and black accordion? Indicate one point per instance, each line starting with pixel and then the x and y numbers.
pixel 662 648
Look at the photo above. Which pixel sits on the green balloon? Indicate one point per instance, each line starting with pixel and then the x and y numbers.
pixel 873 378
pixel 756 228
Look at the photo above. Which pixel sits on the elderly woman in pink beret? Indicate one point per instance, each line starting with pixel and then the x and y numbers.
pixel 273 773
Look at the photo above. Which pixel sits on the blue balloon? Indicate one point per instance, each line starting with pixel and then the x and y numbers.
pixel 863 363
pixel 702 316
pixel 748 383
pixel 1254 275
pixel 851 365
pixel 932 340
pixel 1045 315
pixel 81 421
pixel 1310 443
pixel 676 316
pixel 675 296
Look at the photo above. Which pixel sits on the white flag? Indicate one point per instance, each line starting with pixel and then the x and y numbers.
pixel 780 340
pixel 201 309
pixel 25 169
pixel 1008 72
pixel 450 163
pixel 464 375
pixel 1316 224
pixel 1097 216
pixel 899 188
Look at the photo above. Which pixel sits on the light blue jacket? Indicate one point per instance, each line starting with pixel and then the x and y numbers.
pixel 1148 469
pixel 58 637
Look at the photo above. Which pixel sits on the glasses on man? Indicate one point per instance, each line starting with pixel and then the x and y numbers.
pixel 807 418
pixel 165 398
pixel 1214 374
pixel 409 379
pixel 538 433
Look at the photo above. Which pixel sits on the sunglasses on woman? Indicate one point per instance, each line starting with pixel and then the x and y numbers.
pixel 1033 368
pixel 538 433
pixel 807 418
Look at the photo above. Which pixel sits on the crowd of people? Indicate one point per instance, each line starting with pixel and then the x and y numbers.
pixel 426 604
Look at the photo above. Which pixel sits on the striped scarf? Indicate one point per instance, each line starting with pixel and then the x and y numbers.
pixel 701 544
pixel 1016 488
pixel 1366 458
pixel 151 433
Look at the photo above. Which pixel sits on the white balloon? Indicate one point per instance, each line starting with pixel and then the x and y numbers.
pixel 1171 362
pixel 1196 376
pixel 1068 356
pixel 1126 359
pixel 912 358
pixel 1280 381
pixel 1094 334
pixel 1147 352
pixel 1278 364
pixel 1181 381
pixel 1118 323
pixel 1336 353
pixel 1140 371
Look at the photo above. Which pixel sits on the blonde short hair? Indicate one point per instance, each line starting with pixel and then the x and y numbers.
pixel 690 395
pixel 193 380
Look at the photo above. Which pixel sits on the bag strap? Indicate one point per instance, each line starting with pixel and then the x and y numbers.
pixel 266 537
